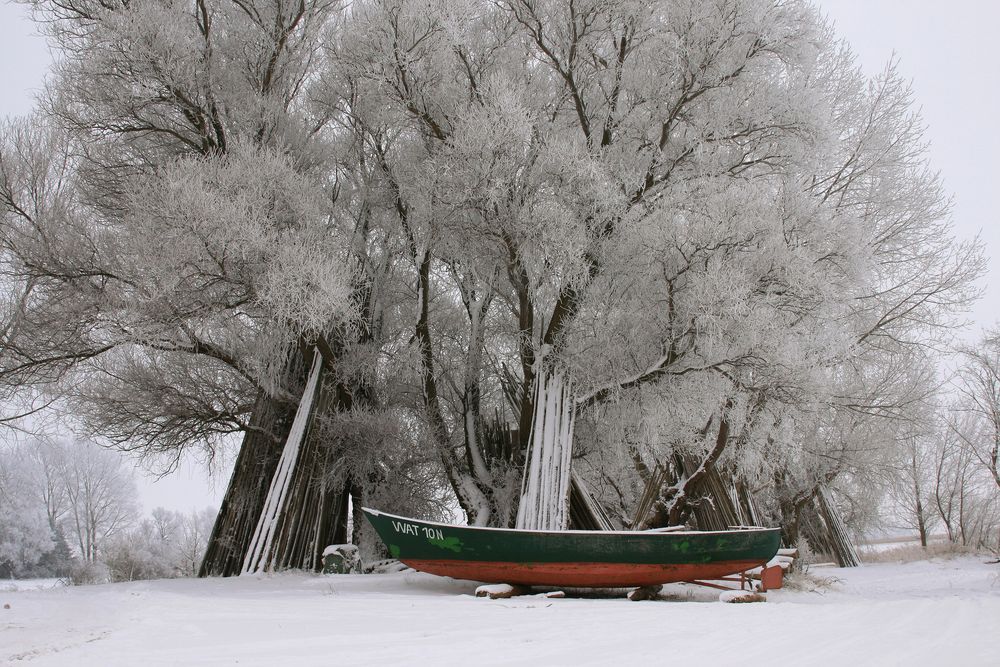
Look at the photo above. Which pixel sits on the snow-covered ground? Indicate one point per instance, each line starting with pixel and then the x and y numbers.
pixel 11 585
pixel 925 613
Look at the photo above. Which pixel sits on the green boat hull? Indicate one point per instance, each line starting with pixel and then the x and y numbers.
pixel 572 558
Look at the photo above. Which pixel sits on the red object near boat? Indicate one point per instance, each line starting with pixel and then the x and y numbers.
pixel 771 578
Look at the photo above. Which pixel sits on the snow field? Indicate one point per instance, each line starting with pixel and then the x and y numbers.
pixel 926 613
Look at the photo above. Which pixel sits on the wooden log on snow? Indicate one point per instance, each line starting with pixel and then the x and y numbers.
pixel 645 593
pixel 742 596
pixel 501 591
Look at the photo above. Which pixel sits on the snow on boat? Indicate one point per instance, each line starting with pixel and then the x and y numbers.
pixel 572 558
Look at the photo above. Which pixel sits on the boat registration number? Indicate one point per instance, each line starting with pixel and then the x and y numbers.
pixel 411 529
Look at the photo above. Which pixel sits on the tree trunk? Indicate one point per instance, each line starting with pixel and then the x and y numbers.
pixel 244 500
pixel 917 495
pixel 282 524
pixel 314 510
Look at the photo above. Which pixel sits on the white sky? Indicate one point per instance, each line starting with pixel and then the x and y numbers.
pixel 948 49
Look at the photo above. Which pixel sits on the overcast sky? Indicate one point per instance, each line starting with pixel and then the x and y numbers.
pixel 948 49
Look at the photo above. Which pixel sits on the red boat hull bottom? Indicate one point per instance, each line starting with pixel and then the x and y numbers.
pixel 579 575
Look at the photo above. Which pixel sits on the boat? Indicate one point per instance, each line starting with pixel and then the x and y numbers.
pixel 573 558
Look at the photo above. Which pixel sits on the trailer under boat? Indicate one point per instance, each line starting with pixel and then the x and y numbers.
pixel 573 558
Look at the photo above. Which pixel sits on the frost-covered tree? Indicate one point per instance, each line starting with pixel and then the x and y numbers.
pixel 165 544
pixel 699 221
pixel 911 483
pixel 63 493
pixel 193 137
pixel 917 280
pixel 25 533
pixel 575 187
pixel 538 156
pixel 979 402
pixel 100 496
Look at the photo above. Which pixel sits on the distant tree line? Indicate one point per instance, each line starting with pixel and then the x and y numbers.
pixel 69 509
pixel 946 478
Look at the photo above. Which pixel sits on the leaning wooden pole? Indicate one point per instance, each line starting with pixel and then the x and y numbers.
pixel 545 489
pixel 261 554
pixel 840 541
pixel 585 512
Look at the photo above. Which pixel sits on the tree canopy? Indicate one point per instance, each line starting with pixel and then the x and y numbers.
pixel 702 213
